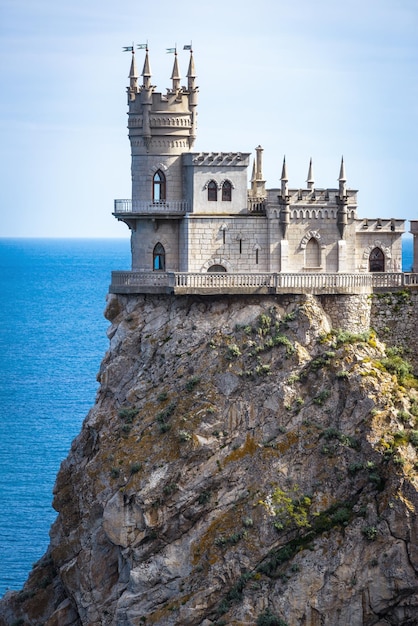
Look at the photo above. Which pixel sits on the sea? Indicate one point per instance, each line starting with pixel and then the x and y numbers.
pixel 52 340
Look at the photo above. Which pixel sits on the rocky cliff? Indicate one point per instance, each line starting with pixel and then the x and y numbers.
pixel 244 463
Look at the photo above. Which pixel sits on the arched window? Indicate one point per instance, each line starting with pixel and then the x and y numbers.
pixel 158 187
pixel 212 191
pixel 226 191
pixel 376 260
pixel 158 258
pixel 216 268
pixel 312 253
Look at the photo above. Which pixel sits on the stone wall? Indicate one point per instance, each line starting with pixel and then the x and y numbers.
pixel 394 317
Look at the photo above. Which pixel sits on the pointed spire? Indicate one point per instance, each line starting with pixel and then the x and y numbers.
pixel 146 72
pixel 191 73
pixel 133 74
pixel 175 74
pixel 342 177
pixel 284 171
pixel 310 180
pixel 284 179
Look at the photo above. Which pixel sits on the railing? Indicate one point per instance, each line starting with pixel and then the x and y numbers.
pixel 224 282
pixel 142 206
pixel 256 204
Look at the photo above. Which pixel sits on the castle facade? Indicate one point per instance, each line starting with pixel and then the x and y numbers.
pixel 195 212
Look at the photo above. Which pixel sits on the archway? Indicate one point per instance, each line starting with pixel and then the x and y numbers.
pixel 376 260
pixel 158 258
pixel 312 253
pixel 215 269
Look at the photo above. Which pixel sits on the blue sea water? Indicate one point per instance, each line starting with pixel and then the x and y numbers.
pixel 52 340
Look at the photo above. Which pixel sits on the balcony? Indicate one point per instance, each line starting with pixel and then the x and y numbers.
pixel 167 208
pixel 181 283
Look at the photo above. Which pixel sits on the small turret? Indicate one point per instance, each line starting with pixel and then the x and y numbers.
pixel 133 78
pixel 175 75
pixel 342 179
pixel 310 180
pixel 258 184
pixel 342 219
pixel 192 90
pixel 146 72
pixel 284 179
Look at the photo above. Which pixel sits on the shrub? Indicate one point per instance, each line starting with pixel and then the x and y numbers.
pixel 370 532
pixel 115 472
pixel 184 435
pixel 233 351
pixel 321 398
pixel 267 618
pixel 135 467
pixel 192 382
pixel 128 414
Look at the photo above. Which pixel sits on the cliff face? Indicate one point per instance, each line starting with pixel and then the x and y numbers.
pixel 243 464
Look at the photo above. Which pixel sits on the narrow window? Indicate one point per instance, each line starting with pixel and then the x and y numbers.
pixel 158 258
pixel 158 187
pixel 256 256
pixel 312 253
pixel 212 191
pixel 240 246
pixel 226 191
pixel 223 236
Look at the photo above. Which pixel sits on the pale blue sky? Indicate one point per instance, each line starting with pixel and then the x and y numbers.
pixel 301 78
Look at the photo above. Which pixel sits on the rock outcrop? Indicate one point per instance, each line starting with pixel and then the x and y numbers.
pixel 244 464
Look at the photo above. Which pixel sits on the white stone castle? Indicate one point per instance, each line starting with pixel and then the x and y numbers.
pixel 196 226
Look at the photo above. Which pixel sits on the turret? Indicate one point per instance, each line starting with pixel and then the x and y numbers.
pixel 284 203
pixel 342 218
pixel 310 180
pixel 175 75
pixel 284 180
pixel 258 184
pixel 192 95
pixel 133 78
pixel 342 179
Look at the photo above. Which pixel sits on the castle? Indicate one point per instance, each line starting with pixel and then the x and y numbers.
pixel 197 228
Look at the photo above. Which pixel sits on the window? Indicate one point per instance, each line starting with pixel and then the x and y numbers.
pixel 158 258
pixel 212 191
pixel 158 187
pixel 312 253
pixel 216 269
pixel 376 260
pixel 226 191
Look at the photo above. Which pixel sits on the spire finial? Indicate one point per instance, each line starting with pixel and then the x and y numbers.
pixel 146 72
pixel 310 180
pixel 342 177
pixel 284 171
pixel 133 73
pixel 175 74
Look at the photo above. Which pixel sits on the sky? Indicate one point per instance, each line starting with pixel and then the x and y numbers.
pixel 301 78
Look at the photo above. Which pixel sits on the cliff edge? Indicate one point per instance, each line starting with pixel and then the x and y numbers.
pixel 244 464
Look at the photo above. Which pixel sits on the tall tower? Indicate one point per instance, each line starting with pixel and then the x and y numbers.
pixel 162 127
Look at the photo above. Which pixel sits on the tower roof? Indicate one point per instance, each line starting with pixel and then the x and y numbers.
pixel 284 171
pixel 310 180
pixel 175 74
pixel 146 71
pixel 342 177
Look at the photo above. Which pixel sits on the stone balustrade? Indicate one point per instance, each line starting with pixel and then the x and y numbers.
pixel 263 283
pixel 167 207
